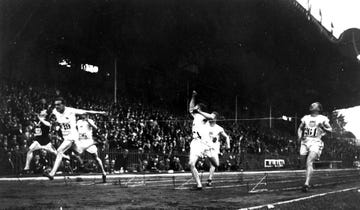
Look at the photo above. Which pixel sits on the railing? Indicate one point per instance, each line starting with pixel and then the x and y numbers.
pixel 115 161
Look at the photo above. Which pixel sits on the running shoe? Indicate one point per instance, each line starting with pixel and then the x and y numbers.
pixel 305 188
pixel 48 176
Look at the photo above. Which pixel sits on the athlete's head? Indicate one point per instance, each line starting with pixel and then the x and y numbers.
pixel 216 116
pixel 60 104
pixel 83 116
pixel 201 106
pixel 315 108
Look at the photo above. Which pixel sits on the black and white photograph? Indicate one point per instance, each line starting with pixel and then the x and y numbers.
pixel 180 104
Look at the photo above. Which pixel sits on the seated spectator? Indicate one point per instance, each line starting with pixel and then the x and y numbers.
pixel 167 164
pixel 144 167
pixel 36 165
pixel 177 165
pixel 162 166
pixel 154 165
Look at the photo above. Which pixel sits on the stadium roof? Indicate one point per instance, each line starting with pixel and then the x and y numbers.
pixel 335 16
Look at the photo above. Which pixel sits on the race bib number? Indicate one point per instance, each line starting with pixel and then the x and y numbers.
pixel 310 132
pixel 65 128
pixel 38 132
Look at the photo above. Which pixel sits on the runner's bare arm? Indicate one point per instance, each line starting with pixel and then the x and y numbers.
pixel 206 115
pixel 326 126
pixel 83 111
pixel 227 139
pixel 192 102
pixel 300 130
pixel 42 119
pixel 92 124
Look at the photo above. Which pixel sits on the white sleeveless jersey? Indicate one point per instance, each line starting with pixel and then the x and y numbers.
pixel 67 121
pixel 85 129
pixel 214 133
pixel 214 137
pixel 200 127
pixel 312 127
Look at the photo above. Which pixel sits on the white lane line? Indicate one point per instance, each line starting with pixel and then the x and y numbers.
pixel 299 199
pixel 215 187
pixel 98 176
pixel 260 190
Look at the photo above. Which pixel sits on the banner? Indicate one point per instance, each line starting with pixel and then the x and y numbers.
pixel 274 163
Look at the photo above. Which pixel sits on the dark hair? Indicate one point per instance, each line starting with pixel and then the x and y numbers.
pixel 202 106
pixel 60 99
pixel 216 114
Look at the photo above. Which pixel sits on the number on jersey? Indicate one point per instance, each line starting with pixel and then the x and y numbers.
pixel 37 132
pixel 65 126
pixel 310 132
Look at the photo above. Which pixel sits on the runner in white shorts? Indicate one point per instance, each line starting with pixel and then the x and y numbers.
pixel 215 131
pixel 311 129
pixel 65 116
pixel 200 145
pixel 85 127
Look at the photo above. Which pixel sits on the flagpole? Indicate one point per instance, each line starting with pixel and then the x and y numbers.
pixel 115 81
pixel 270 115
pixel 296 125
pixel 236 108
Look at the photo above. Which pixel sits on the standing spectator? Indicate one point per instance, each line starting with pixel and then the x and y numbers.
pixel 18 159
pixel 9 164
pixel 122 161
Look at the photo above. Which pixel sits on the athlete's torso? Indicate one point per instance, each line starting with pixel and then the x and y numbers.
pixel 41 133
pixel 200 127
pixel 215 132
pixel 312 127
pixel 67 121
pixel 85 129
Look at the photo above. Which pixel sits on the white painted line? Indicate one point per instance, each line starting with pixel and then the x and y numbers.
pixel 260 182
pixel 215 187
pixel 187 174
pixel 168 183
pixel 130 180
pixel 261 190
pixel 182 187
pixel 299 199
pixel 299 187
pixel 186 182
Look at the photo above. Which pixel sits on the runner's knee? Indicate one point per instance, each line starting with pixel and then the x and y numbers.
pixel 60 152
pixel 216 163
pixel 311 158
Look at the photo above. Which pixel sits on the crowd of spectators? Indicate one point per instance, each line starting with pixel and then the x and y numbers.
pixel 137 136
